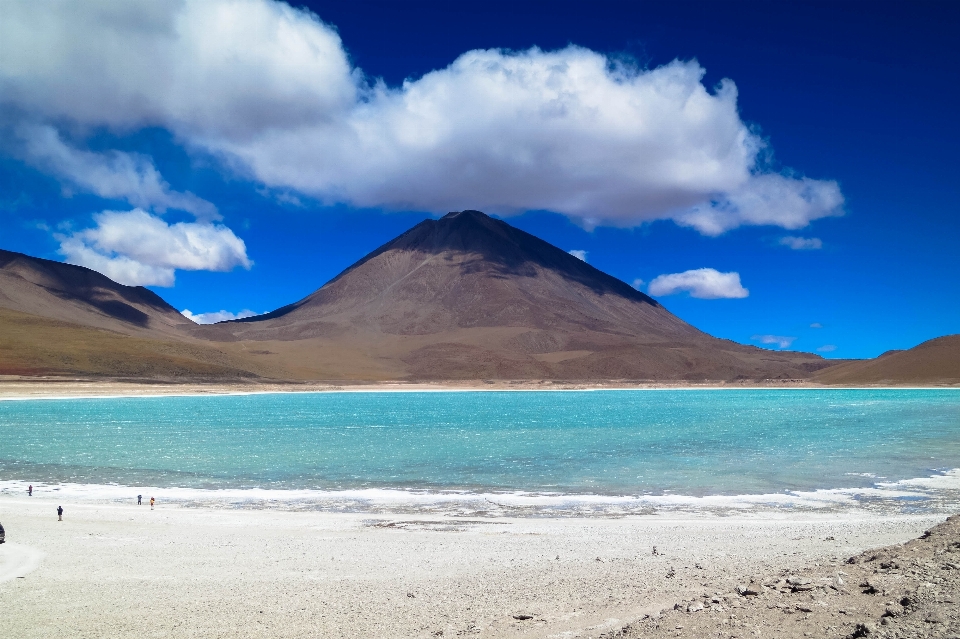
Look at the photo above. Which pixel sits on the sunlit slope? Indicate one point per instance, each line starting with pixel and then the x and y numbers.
pixel 32 345
pixel 80 295
pixel 933 362
pixel 471 297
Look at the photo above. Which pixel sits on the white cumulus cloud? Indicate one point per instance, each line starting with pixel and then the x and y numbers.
pixel 269 90
pixel 137 248
pixel 827 348
pixel 780 341
pixel 802 243
pixel 704 283
pixel 637 283
pixel 216 316
pixel 579 254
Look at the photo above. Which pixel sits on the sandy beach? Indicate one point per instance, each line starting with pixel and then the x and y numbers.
pixel 113 569
pixel 17 388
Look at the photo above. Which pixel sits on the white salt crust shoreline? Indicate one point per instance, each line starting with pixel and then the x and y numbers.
pixel 114 569
pixel 933 494
pixel 65 390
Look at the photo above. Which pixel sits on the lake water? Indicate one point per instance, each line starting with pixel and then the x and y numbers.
pixel 595 449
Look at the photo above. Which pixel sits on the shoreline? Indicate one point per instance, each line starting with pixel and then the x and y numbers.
pixel 29 389
pixel 930 495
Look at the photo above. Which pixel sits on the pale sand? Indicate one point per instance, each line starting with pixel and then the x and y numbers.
pixel 46 388
pixel 114 569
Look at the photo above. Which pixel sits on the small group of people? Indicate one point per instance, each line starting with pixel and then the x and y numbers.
pixel 60 508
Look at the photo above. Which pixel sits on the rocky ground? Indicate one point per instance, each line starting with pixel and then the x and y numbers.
pixel 906 590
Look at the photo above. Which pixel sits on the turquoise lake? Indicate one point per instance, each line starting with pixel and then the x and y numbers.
pixel 645 442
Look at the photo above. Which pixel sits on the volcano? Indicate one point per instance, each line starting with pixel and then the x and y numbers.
pixel 471 297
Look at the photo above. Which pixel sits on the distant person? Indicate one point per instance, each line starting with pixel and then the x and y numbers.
pixel 151 503
pixel 139 499
pixel 30 490
pixel 59 513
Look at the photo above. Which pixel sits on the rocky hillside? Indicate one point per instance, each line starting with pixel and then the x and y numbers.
pixel 908 590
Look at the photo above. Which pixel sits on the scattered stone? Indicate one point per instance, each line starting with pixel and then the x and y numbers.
pixel 522 617
pixel 861 630
pixel 920 601
pixel 750 590
pixel 935 616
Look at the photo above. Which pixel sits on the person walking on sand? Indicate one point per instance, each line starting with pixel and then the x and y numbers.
pixel 139 498
pixel 59 513
pixel 30 490
pixel 151 503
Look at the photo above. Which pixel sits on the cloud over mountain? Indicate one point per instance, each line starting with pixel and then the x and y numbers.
pixel 704 283
pixel 140 249
pixel 270 92
pixel 216 316
pixel 780 341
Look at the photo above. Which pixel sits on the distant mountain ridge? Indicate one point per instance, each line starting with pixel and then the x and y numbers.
pixel 936 361
pixel 58 319
pixel 463 297
pixel 83 296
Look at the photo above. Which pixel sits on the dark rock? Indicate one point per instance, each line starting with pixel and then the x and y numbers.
pixel 861 630
pixel 750 590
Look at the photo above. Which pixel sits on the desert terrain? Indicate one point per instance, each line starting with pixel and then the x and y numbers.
pixel 223 569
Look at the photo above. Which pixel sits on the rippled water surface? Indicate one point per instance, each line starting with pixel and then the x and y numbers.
pixel 647 442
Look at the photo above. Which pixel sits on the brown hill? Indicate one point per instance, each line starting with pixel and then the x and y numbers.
pixel 82 296
pixel 32 346
pixel 933 362
pixel 470 297
pixel 60 319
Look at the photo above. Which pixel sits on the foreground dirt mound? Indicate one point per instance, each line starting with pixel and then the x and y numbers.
pixel 907 590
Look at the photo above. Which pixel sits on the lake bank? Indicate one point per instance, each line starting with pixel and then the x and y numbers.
pixel 38 388
pixel 113 569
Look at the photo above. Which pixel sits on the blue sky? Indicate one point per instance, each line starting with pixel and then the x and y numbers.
pixel 237 156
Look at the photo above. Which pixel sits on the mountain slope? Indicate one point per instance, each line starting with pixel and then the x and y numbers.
pixel 82 296
pixel 936 361
pixel 470 297
pixel 468 270
pixel 32 345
